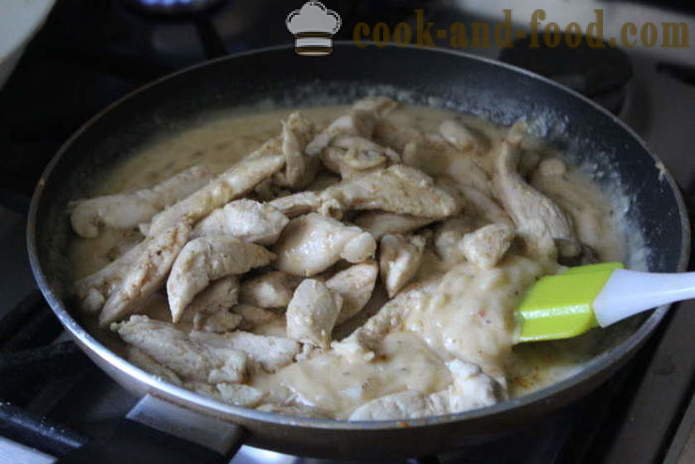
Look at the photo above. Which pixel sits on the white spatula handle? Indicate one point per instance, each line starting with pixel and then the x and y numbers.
pixel 630 292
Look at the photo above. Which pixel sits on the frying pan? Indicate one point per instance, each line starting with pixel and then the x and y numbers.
pixel 658 235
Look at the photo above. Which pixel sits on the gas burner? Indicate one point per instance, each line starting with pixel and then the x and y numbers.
pixel 602 74
pixel 173 7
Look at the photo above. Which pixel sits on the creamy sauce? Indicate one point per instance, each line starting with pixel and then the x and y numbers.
pixel 468 315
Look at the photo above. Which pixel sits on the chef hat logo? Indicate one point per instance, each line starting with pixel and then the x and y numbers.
pixel 313 27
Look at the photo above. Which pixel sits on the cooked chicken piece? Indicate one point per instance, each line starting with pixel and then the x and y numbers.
pixel 206 259
pixel 271 290
pixel 146 363
pixel 267 190
pixel 240 395
pixel 220 295
pixel 460 136
pixel 449 234
pixel 396 137
pixel 323 180
pixel 270 353
pixel 128 210
pixel 471 389
pixel 127 240
pixel 380 106
pixel 145 276
pixel 219 322
pixel 93 290
pixel 364 343
pixel 408 404
pixel 182 354
pixel 357 122
pixel 399 259
pixel 486 246
pixel 297 203
pixel 350 156
pixel 253 316
pixel 437 157
pixel 246 220
pixel 300 169
pixel 355 285
pixel 540 222
pixel 312 313
pixel 231 184
pixel 581 201
pixel 397 189
pixel 298 410
pixel 209 310
pixel 482 205
pixel 312 243
pixel 359 249
pixel 379 223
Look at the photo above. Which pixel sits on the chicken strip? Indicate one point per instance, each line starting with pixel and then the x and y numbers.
pixel 253 316
pixel 448 236
pixel 146 275
pixel 177 351
pixel 209 310
pixel 437 157
pixel 270 290
pixel 351 155
pixel 206 259
pixel 220 295
pixel 396 136
pixel 297 204
pixel 231 184
pixel 539 221
pixel 591 215
pixel 355 286
pixel 460 136
pixel 146 363
pixel 219 322
pixel 300 169
pixel 399 260
pixel 379 223
pixel 270 353
pixel 396 189
pixel 128 210
pixel 247 220
pixel 482 205
pixel 312 313
pixel 379 106
pixel 364 344
pixel 93 290
pixel 312 243
pixel 359 122
pixel 486 246
pixel 471 389
pixel 408 404
pixel 240 395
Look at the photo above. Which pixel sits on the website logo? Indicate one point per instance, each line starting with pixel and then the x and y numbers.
pixel 313 26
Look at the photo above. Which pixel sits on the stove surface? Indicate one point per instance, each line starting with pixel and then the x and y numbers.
pixel 97 50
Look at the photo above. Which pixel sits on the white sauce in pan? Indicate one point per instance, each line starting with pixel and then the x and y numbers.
pixel 450 323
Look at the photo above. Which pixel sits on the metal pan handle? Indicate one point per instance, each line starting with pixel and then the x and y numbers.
pixel 159 432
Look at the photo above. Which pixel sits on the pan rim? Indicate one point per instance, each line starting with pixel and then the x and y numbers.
pixel 593 368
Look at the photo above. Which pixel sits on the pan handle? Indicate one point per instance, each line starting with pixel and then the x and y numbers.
pixel 156 431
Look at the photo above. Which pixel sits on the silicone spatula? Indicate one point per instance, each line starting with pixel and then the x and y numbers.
pixel 598 295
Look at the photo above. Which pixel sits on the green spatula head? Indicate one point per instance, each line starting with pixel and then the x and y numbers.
pixel 560 306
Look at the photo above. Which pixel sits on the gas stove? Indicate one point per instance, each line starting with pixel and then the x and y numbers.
pixel 91 52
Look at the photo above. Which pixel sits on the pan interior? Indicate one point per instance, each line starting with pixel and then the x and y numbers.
pixel 640 190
